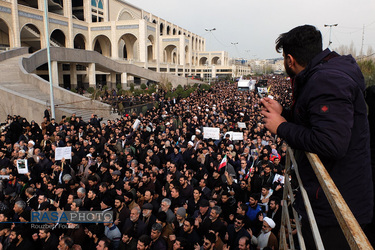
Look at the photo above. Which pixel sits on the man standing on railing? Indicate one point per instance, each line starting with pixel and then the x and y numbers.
pixel 328 117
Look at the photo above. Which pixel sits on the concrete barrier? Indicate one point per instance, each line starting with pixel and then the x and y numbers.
pixel 13 53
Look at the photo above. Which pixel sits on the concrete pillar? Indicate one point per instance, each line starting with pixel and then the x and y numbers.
pixel 16 25
pixel 87 11
pixel 124 80
pixel 106 10
pixel 61 75
pixel 73 75
pixel 113 81
pixel 43 34
pixel 157 46
pixel 182 50
pixel 108 80
pixel 55 73
pixel 92 75
pixel 40 4
pixel 142 40
pixel 114 43
pixel 69 14
pixel 213 71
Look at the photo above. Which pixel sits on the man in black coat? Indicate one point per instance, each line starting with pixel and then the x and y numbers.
pixel 328 116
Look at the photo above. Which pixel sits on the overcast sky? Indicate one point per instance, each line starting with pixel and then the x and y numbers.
pixel 255 25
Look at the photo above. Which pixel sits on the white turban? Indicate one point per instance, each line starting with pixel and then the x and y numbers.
pixel 269 221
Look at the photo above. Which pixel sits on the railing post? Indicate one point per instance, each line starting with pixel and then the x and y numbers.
pixel 349 225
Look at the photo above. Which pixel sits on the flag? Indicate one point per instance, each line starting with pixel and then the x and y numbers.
pixel 223 163
pixel 251 169
pixel 248 173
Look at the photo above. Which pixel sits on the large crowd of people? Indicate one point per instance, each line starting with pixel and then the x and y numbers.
pixel 166 184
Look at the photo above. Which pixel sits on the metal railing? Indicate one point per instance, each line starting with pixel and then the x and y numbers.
pixel 349 225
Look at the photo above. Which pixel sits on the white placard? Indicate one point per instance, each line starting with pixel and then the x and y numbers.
pixel 213 133
pixel 237 136
pixel 22 166
pixel 136 124
pixel 230 133
pixel 241 124
pixel 63 152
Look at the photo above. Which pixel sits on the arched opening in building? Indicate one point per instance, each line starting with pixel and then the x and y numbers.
pixel 128 47
pixel 203 61
pixel 174 31
pixel 216 60
pixel 79 42
pixel 150 48
pixel 179 32
pixel 125 15
pixel 170 54
pixel 102 44
pixel 4 36
pixel 154 21
pixel 168 30
pixel 161 29
pixel 57 38
pixel 31 37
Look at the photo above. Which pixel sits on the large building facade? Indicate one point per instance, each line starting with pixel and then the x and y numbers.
pixel 116 29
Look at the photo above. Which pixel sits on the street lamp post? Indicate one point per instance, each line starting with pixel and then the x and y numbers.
pixel 330 31
pixel 46 20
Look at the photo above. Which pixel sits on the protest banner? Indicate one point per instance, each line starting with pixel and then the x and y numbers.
pixel 63 152
pixel 213 133
pixel 234 136
pixel 241 124
pixel 237 136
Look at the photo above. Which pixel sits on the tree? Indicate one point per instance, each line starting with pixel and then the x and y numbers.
pixel 368 71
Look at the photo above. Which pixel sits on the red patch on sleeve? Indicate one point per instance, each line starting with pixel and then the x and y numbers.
pixel 324 108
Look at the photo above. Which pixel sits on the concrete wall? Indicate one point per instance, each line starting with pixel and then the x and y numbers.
pixel 25 106
pixel 13 53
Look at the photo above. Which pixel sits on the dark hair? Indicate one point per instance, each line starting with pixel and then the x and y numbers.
pixel 211 237
pixel 145 239
pixel 68 241
pixel 162 216
pixel 276 200
pixel 184 244
pixel 244 207
pixel 191 221
pixel 303 43
pixel 106 241
pixel 255 196
pixel 240 217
